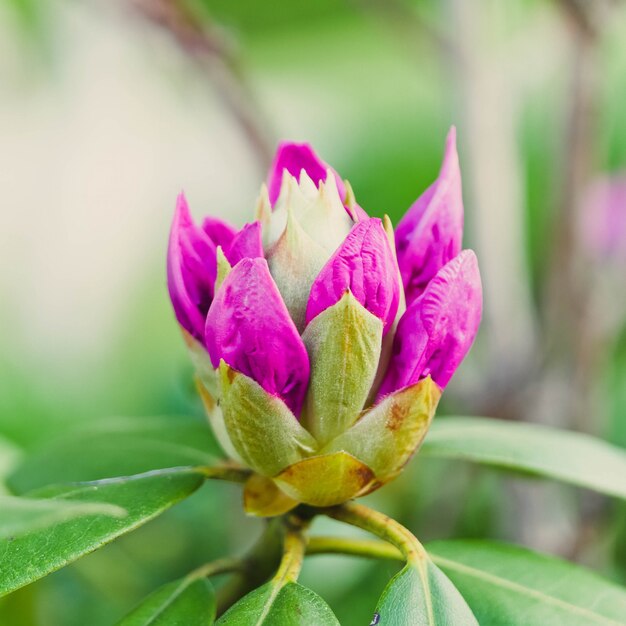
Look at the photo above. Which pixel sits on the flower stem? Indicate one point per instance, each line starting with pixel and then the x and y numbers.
pixel 389 530
pixel 294 546
pixel 382 526
pixel 231 473
pixel 258 566
pixel 368 548
pixel 220 566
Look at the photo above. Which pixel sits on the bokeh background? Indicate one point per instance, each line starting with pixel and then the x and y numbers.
pixel 109 108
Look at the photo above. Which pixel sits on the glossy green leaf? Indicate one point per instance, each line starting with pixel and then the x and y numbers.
pixel 186 602
pixel 270 605
pixel 421 595
pixel 117 447
pixel 23 515
pixel 510 586
pixel 564 455
pixel 344 344
pixel 31 556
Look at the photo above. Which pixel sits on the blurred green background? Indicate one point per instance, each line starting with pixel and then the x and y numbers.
pixel 108 109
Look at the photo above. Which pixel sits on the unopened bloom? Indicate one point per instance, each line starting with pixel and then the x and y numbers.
pixel 603 224
pixel 322 342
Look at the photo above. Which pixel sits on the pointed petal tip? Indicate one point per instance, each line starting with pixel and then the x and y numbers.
pixel 364 265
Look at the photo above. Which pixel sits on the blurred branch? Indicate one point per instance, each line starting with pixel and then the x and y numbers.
pixel 404 19
pixel 207 47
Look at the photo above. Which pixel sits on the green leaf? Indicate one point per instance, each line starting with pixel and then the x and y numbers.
pixel 117 447
pixel 145 496
pixel 187 602
pixel 22 515
pixel 509 586
pixel 269 605
pixel 344 344
pixel 564 455
pixel 9 456
pixel 263 430
pixel 421 595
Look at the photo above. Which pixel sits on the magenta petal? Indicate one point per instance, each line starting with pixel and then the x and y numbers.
pixel 248 326
pixel 603 218
pixel 191 270
pixel 365 265
pixel 295 157
pixel 430 233
pixel 438 329
pixel 221 233
pixel 246 244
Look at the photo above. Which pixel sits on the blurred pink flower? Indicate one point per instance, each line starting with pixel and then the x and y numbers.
pixel 603 223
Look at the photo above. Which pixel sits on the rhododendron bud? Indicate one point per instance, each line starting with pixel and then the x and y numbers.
pixel 192 267
pixel 603 223
pixel 364 265
pixel 438 328
pixel 313 372
pixel 248 326
pixel 294 158
pixel 430 233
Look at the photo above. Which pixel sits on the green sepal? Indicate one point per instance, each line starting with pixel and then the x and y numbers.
pixel 326 480
pixel 204 369
pixel 389 433
pixel 263 498
pixel 264 432
pixel 343 343
pixel 223 268
pixel 215 417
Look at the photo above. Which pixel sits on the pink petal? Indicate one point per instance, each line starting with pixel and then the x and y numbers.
pixel 248 326
pixel 430 233
pixel 295 157
pixel 220 232
pixel 438 329
pixel 191 270
pixel 245 244
pixel 365 265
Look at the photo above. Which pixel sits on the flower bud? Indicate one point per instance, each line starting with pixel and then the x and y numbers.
pixel 438 329
pixel 430 233
pixel 294 322
pixel 603 223
pixel 192 266
pixel 248 326
pixel 364 265
pixel 293 159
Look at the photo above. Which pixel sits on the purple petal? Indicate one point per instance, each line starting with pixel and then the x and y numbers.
pixel 246 244
pixel 248 326
pixel 430 233
pixel 295 157
pixel 221 233
pixel 438 328
pixel 365 265
pixel 191 270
